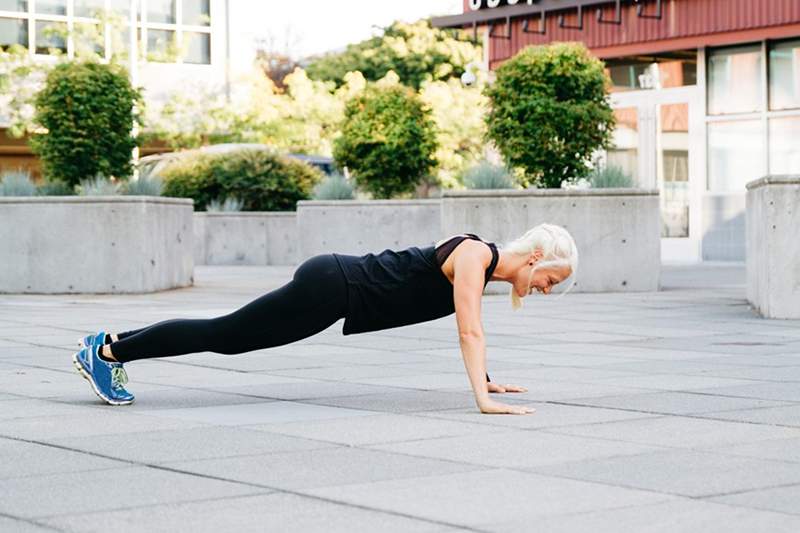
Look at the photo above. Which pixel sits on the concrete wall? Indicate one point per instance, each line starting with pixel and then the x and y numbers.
pixel 773 246
pixel 358 227
pixel 723 226
pixel 617 230
pixel 119 244
pixel 246 238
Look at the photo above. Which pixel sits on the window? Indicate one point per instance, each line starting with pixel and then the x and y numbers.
pixel 51 7
pixel 89 8
pixel 199 48
pixel 661 71
pixel 735 154
pixel 121 7
pixel 735 82
pixel 50 35
pixel 195 12
pixel 784 149
pixel 624 152
pixel 161 11
pixel 13 31
pixel 160 44
pixel 13 5
pixel 784 75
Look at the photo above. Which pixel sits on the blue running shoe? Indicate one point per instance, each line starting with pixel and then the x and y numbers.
pixel 107 379
pixel 98 338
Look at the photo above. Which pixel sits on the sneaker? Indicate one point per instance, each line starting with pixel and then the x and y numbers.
pixel 98 338
pixel 107 379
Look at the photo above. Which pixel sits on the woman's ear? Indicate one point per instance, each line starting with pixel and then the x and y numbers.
pixel 536 256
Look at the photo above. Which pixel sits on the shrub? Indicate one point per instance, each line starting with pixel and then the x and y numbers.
pixel 262 179
pixel 227 205
pixel 549 112
pixel 144 186
pixel 388 141
pixel 610 177
pixel 55 188
pixel 98 186
pixel 334 187
pixel 485 175
pixel 16 183
pixel 87 109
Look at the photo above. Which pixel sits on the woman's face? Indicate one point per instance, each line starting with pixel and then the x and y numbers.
pixel 542 280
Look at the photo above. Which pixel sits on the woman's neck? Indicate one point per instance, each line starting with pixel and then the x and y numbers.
pixel 508 264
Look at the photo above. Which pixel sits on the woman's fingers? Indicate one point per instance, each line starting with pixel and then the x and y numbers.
pixel 514 388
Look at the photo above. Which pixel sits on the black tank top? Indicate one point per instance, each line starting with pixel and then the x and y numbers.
pixel 399 288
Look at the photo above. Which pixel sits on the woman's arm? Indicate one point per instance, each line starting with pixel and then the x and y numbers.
pixel 469 267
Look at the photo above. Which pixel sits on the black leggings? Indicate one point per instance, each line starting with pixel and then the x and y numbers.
pixel 314 299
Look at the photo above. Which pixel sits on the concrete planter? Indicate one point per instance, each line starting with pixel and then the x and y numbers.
pixel 773 247
pixel 245 238
pixel 358 227
pixel 617 230
pixel 115 244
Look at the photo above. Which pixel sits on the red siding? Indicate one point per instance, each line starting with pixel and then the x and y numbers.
pixel 681 19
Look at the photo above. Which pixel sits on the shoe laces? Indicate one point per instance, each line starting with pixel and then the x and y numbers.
pixel 118 377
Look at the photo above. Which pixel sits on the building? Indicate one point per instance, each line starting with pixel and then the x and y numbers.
pixel 183 43
pixel 706 95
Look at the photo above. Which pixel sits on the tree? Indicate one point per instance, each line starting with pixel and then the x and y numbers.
pixel 87 112
pixel 549 112
pixel 388 140
pixel 416 52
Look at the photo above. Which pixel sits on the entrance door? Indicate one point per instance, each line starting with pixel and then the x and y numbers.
pixel 658 141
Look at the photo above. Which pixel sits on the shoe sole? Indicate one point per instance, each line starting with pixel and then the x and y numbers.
pixel 87 377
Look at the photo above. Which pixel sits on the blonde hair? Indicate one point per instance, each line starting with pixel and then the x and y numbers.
pixel 558 250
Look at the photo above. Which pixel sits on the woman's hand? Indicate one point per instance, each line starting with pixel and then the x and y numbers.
pixel 491 407
pixel 500 389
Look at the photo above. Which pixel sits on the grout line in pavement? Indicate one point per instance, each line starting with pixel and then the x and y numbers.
pixel 29 521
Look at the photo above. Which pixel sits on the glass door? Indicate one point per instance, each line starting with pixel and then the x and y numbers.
pixel 658 141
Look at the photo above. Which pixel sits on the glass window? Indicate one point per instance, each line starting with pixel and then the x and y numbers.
pixel 51 7
pixel 50 35
pixel 624 152
pixel 13 5
pixel 160 45
pixel 784 148
pixel 161 11
pixel 89 39
pixel 13 31
pixel 735 154
pixel 670 69
pixel 89 8
pixel 734 80
pixel 198 49
pixel 121 7
pixel 196 12
pixel 784 75
pixel 673 169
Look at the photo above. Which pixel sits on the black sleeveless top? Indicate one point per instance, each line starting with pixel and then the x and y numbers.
pixel 399 288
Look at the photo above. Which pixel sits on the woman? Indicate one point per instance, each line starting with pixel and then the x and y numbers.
pixel 371 292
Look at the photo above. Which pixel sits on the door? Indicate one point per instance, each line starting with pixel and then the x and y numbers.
pixel 658 141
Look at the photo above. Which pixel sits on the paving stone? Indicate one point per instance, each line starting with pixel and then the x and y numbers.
pixel 24 459
pixel 667 517
pixel 489 496
pixel 677 403
pixel 782 499
pixel 322 468
pixel 680 472
pixel 778 450
pixel 256 413
pixel 23 526
pixel 403 401
pixel 271 512
pixel 89 491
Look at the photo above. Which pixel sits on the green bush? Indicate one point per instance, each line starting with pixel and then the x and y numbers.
pixel 87 110
pixel 55 188
pixel 263 180
pixel 388 141
pixel 16 183
pixel 334 187
pixel 485 175
pixel 549 112
pixel 98 186
pixel 144 186
pixel 610 177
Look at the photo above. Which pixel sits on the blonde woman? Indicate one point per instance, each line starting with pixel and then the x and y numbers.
pixel 371 292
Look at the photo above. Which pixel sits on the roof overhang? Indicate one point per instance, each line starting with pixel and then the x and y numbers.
pixel 523 8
